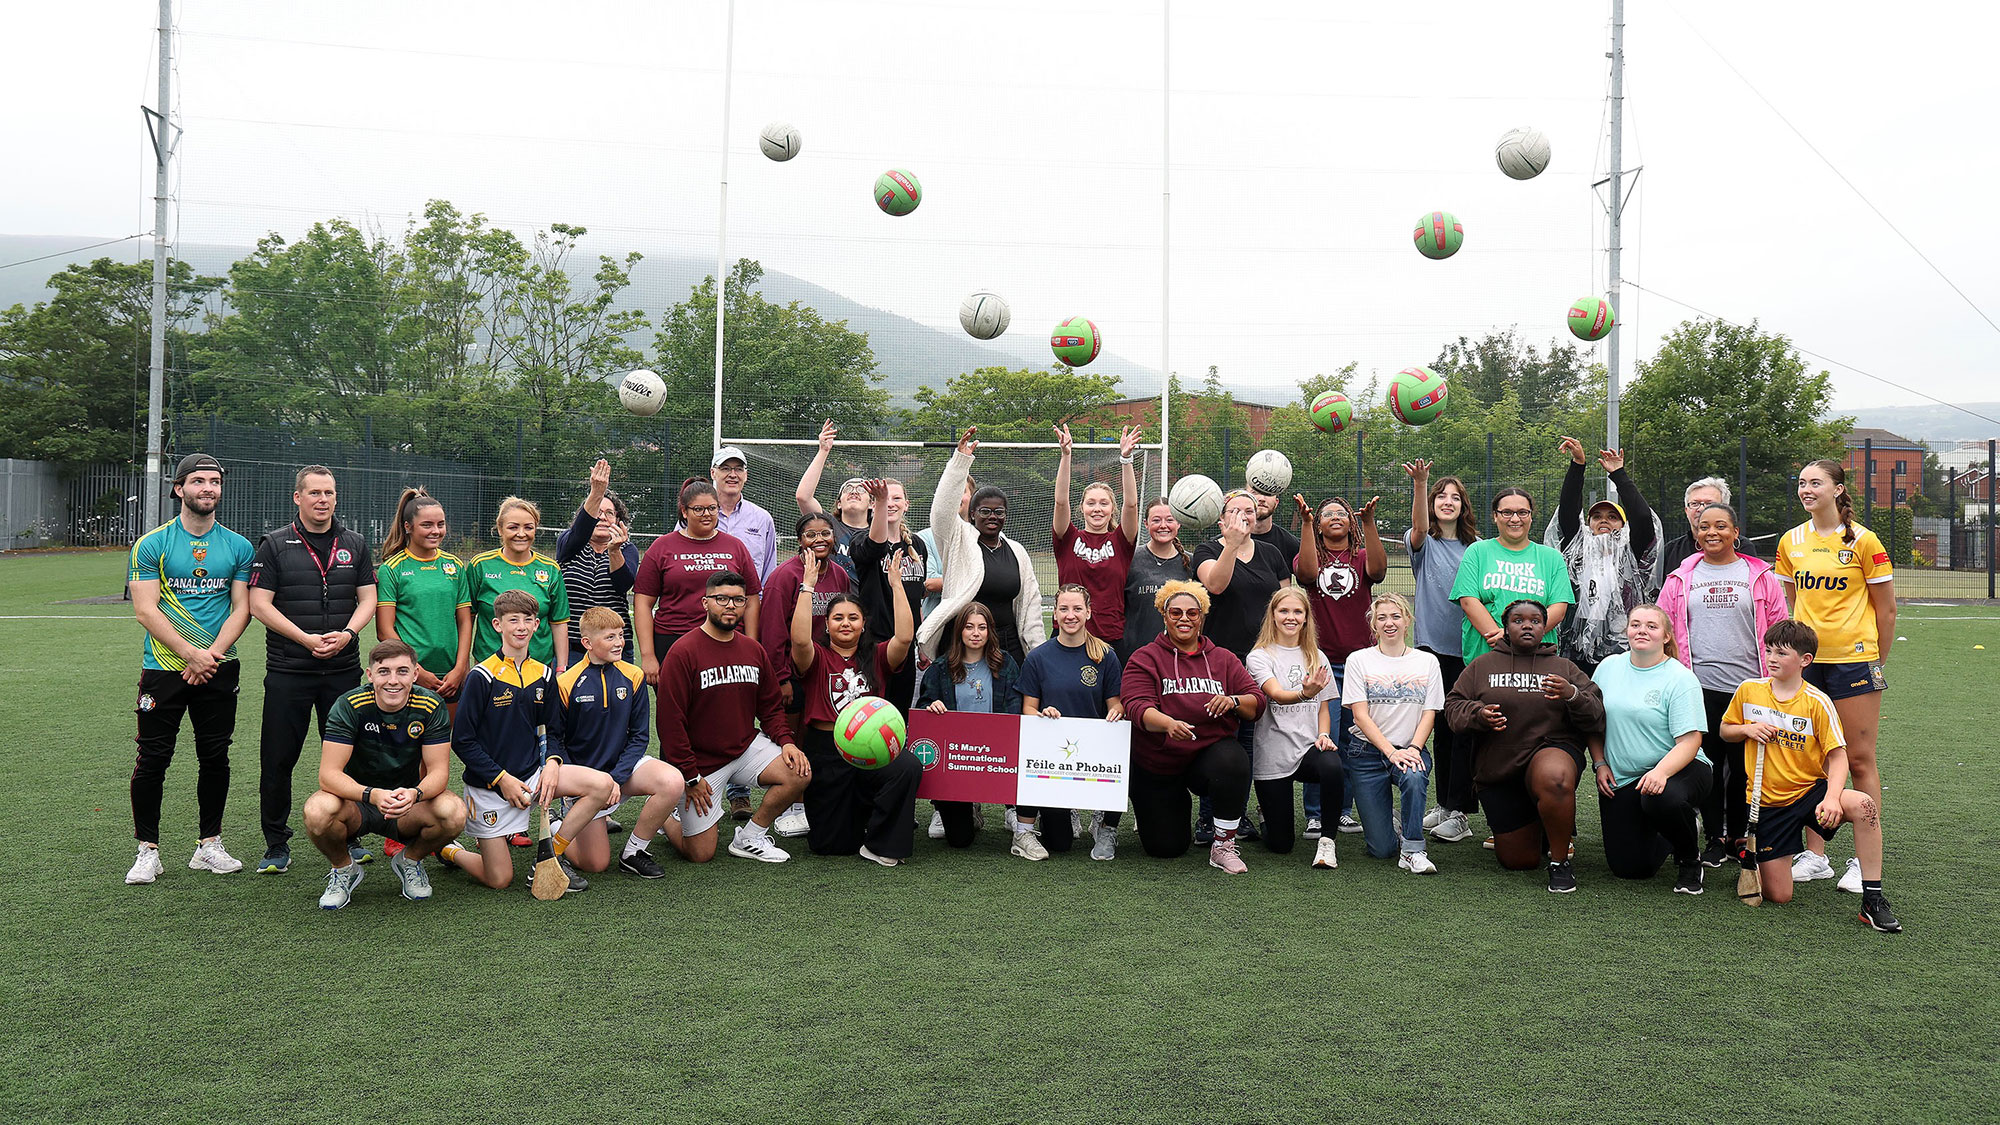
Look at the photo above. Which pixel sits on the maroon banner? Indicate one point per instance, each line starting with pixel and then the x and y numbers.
pixel 967 756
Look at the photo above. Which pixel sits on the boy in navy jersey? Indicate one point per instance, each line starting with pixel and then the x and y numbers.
pixel 606 723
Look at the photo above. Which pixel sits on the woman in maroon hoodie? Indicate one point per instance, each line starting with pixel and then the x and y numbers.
pixel 1529 712
pixel 1185 698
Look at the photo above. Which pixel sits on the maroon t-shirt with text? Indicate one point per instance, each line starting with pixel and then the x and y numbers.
pixel 834 681
pixel 781 599
pixel 675 569
pixel 712 696
pixel 1098 563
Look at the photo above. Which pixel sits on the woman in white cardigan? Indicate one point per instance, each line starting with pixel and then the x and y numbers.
pixel 980 563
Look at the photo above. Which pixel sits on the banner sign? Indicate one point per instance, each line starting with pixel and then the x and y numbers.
pixel 1022 760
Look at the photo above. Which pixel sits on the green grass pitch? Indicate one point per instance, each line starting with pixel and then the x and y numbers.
pixel 968 986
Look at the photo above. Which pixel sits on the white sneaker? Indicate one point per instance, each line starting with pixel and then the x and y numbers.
pixel 1417 863
pixel 936 831
pixel 1028 845
pixel 1432 817
pixel 758 847
pixel 340 884
pixel 1075 823
pixel 1808 866
pixel 1451 827
pixel 410 872
pixel 1011 822
pixel 1105 842
pixel 1850 880
pixel 146 867
pixel 1349 825
pixel 1323 855
pixel 1314 829
pixel 792 822
pixel 210 857
pixel 883 860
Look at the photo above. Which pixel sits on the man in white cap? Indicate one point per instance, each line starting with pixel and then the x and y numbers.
pixel 740 516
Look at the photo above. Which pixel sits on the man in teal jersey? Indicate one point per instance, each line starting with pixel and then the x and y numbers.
pixel 383 767
pixel 189 581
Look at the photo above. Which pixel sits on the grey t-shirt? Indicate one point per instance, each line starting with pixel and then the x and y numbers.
pixel 975 693
pixel 1143 580
pixel 1435 567
pixel 1722 625
pixel 1285 731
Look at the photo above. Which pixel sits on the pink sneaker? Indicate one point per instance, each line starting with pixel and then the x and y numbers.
pixel 1222 854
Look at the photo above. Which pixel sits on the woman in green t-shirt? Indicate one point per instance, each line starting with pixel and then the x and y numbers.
pixel 421 596
pixel 1507 568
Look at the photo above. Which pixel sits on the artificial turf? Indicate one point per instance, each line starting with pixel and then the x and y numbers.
pixel 969 985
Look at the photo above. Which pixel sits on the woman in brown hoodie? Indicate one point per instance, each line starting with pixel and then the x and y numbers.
pixel 1185 698
pixel 1529 712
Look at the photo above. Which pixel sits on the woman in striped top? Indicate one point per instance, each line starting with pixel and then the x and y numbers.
pixel 597 557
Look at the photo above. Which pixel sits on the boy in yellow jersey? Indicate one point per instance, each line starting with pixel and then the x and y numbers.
pixel 509 733
pixel 607 722
pixel 1804 771
pixel 383 767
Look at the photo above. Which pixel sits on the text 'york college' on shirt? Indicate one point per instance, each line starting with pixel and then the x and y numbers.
pixel 675 569
pixel 713 694
pixel 1498 576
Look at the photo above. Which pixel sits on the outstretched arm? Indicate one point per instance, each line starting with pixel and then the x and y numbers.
pixel 1060 521
pixel 809 484
pixel 1638 513
pixel 1569 509
pixel 1373 557
pixel 1128 512
pixel 1420 504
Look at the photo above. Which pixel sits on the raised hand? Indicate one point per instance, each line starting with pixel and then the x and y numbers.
pixel 827 432
pixel 968 445
pixel 1128 440
pixel 1305 507
pixel 878 489
pixel 1572 447
pixel 1612 459
pixel 1063 440
pixel 1365 514
pixel 1419 470
pixel 600 475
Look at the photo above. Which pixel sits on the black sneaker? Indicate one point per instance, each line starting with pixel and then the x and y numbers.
pixel 642 864
pixel 1204 832
pixel 612 827
pixel 576 880
pixel 1716 854
pixel 1247 831
pixel 1875 912
pixel 1688 882
pixel 1562 878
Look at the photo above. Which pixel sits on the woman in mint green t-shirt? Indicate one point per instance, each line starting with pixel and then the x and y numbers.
pixel 1505 569
pixel 1651 773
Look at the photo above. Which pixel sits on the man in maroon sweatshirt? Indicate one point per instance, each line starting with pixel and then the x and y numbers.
pixel 715 686
pixel 1185 698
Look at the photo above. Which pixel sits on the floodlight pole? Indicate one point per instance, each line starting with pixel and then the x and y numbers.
pixel 722 228
pixel 152 506
pixel 1616 210
pixel 1166 231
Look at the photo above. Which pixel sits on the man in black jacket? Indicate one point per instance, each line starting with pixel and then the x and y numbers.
pixel 312 584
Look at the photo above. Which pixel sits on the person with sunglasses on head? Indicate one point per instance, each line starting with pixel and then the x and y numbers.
pixel 1613 557
pixel 981 564
pixel 599 562
pixel 850 505
pixel 1442 526
pixel 1187 697
pixel 1842 583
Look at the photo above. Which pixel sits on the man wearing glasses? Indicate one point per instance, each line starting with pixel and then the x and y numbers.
pixel 1699 495
pixel 716 686
pixel 740 516
pixel 1507 568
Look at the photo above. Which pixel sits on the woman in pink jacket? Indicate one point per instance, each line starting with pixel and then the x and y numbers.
pixel 1720 603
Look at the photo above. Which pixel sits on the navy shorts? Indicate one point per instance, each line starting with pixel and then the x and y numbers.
pixel 1781 829
pixel 1509 806
pixel 1845 681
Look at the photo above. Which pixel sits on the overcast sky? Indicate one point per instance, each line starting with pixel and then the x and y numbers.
pixel 1306 140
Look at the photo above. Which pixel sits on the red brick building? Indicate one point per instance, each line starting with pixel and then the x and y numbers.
pixel 1899 467
pixel 1146 412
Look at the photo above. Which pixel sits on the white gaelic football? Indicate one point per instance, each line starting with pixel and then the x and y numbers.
pixel 984 315
pixel 642 392
pixel 1522 153
pixel 1269 472
pixel 780 141
pixel 1196 500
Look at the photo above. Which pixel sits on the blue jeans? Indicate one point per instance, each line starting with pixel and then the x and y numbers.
pixel 1369 780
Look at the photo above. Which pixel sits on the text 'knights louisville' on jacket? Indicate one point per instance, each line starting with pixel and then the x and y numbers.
pixel 502 710
pixel 607 716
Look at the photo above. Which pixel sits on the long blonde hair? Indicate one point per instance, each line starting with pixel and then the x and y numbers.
pixel 1093 648
pixel 1268 636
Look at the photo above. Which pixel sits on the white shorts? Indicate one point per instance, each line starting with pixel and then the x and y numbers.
pixel 489 814
pixel 743 771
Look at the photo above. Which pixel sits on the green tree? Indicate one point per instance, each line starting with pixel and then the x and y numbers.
pixel 1200 420
pixel 1015 404
pixel 454 271
pixel 785 367
pixel 1712 383
pixel 73 369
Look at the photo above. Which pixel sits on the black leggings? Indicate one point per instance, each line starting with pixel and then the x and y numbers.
pixel 1641 830
pixel 847 806
pixel 1725 811
pixel 1451 752
pixel 1221 772
pixel 1275 795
